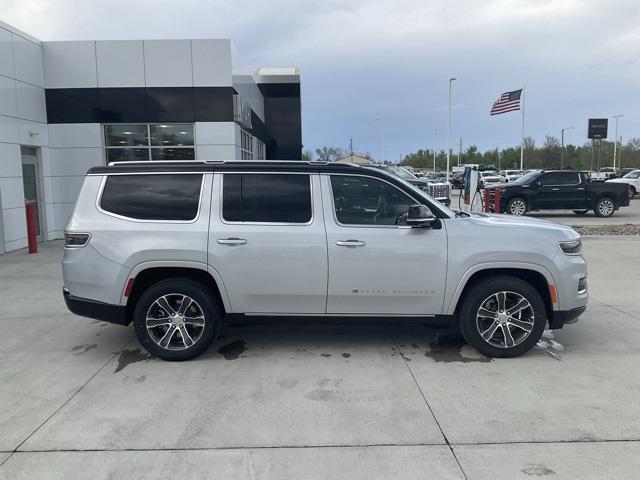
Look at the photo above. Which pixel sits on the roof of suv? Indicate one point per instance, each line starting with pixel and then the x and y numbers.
pixel 218 165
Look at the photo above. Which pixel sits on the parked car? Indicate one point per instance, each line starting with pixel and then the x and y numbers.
pixel 510 175
pixel 176 247
pixel 440 190
pixel 561 190
pixel 632 179
pixel 489 177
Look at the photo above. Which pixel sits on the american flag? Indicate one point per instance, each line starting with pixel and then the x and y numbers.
pixel 508 102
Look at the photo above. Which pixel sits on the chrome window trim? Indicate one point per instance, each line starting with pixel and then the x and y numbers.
pixel 348 225
pixel 140 220
pixel 230 222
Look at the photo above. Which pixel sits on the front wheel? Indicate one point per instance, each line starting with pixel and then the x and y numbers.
pixel 176 319
pixel 503 317
pixel 605 207
pixel 632 192
pixel 517 206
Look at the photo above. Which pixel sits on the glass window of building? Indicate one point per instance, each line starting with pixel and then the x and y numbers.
pixel 149 142
pixel 246 145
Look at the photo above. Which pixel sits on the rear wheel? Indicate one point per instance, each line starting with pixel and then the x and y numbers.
pixel 517 206
pixel 604 207
pixel 176 319
pixel 632 191
pixel 503 317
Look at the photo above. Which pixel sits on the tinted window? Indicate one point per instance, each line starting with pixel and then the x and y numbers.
pixel 282 198
pixel 367 201
pixel 152 197
pixel 560 178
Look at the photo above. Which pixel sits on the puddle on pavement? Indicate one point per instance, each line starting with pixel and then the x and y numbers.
pixel 233 350
pixel 127 357
pixel 537 470
pixel 549 346
pixel 448 348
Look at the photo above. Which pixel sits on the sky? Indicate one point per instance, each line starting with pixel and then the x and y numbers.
pixel 365 60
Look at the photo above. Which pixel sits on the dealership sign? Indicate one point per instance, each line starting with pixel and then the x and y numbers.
pixel 598 128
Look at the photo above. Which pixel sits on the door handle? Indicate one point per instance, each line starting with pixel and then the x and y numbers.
pixel 351 243
pixel 232 241
pixel 580 188
pixel 555 189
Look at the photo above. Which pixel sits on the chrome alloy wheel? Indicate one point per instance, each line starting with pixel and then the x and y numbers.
pixel 175 321
pixel 505 319
pixel 517 207
pixel 605 207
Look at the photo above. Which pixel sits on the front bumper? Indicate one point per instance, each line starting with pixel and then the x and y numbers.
pixel 86 307
pixel 560 318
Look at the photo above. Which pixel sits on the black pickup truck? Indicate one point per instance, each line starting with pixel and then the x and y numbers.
pixel 559 190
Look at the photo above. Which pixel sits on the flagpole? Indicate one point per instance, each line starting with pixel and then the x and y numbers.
pixel 522 139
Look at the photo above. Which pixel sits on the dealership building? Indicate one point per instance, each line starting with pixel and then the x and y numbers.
pixel 67 106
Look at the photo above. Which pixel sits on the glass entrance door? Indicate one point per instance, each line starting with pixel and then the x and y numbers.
pixel 31 183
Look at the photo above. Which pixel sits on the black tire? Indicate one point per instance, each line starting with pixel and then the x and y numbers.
pixel 483 292
pixel 580 212
pixel 517 206
pixel 171 290
pixel 632 192
pixel 605 207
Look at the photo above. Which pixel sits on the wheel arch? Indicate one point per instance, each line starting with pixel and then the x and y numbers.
pixel 146 274
pixel 539 277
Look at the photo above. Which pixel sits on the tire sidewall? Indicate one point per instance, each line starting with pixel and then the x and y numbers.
pixel 479 293
pixel 198 292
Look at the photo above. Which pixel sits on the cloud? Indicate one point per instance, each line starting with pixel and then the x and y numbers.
pixel 361 60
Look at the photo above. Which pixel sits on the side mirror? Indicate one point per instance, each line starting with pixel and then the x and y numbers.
pixel 420 216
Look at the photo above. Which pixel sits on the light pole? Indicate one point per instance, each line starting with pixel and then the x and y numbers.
pixel 562 147
pixel 615 145
pixel 435 131
pixel 382 120
pixel 451 80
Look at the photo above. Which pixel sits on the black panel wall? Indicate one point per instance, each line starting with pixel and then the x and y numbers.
pixel 283 120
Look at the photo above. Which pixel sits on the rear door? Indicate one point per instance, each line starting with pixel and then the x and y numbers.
pixel 560 190
pixel 267 242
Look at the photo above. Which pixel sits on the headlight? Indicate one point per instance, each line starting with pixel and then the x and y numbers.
pixel 574 247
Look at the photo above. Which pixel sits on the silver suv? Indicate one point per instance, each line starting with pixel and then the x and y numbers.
pixel 177 247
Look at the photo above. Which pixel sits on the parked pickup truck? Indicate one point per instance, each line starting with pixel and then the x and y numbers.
pixel 560 190
pixel 177 247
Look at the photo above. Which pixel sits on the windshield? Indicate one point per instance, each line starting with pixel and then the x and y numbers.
pixel 402 173
pixel 634 174
pixel 526 179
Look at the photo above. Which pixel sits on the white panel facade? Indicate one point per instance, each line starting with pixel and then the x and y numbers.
pixel 120 63
pixel 31 103
pixel 211 63
pixel 6 53
pixel 64 135
pixel 215 133
pixel 8 101
pixel 70 64
pixel 33 133
pixel 167 63
pixel 9 131
pixel 74 161
pixel 27 61
pixel 216 152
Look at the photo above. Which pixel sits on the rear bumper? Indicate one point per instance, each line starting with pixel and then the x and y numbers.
pixel 94 309
pixel 559 318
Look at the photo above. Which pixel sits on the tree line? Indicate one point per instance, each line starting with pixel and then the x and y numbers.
pixel 547 157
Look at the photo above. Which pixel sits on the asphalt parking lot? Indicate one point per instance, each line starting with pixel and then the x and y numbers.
pixel 334 399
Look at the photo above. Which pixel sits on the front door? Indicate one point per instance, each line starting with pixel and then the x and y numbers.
pixel 31 184
pixel 267 242
pixel 377 265
pixel 560 190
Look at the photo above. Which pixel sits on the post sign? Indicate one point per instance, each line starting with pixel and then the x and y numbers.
pixel 598 128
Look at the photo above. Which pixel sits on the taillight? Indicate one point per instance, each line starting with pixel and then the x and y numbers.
pixel 76 240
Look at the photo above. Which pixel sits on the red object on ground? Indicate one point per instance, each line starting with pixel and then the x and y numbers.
pixel 32 230
pixel 487 200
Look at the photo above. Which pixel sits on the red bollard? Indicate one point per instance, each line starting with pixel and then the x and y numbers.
pixel 32 231
pixel 487 200
pixel 496 202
